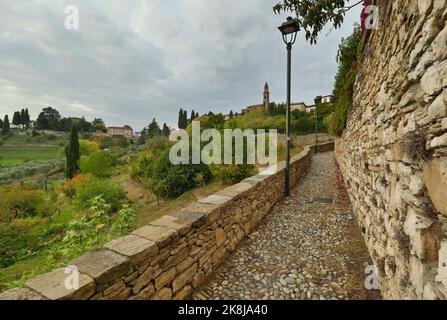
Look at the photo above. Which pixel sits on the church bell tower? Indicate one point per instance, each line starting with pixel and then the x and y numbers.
pixel 266 103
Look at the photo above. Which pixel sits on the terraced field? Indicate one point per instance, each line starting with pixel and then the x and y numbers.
pixel 19 149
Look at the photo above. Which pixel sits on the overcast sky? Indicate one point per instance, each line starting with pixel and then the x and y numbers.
pixel 134 60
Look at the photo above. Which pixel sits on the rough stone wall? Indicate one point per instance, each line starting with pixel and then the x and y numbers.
pixel 393 153
pixel 174 254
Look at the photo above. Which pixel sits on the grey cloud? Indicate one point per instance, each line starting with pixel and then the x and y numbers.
pixel 135 60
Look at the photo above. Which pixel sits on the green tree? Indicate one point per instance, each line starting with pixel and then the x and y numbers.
pixel 6 127
pixel 99 124
pixel 84 125
pixel 72 153
pixel 27 119
pixel 65 124
pixel 231 115
pixel 185 119
pixel 313 15
pixel 98 164
pixel 16 119
pixel 166 130
pixel 48 119
pixel 23 118
pixel 153 130
pixel 155 186
pixel 193 115
pixel 181 124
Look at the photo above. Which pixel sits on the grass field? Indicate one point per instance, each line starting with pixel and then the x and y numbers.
pixel 19 149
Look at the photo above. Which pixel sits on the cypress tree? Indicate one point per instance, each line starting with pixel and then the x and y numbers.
pixel 193 115
pixel 27 119
pixel 180 119
pixel 72 153
pixel 165 130
pixel 16 118
pixel 185 119
pixel 5 129
pixel 22 118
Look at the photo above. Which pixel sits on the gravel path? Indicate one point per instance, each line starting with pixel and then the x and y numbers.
pixel 302 249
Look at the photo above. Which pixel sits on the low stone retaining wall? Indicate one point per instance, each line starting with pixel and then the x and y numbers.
pixel 325 147
pixel 174 254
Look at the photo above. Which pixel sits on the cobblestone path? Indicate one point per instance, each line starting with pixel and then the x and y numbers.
pixel 302 249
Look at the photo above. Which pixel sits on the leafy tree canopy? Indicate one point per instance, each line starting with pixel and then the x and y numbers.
pixel 313 15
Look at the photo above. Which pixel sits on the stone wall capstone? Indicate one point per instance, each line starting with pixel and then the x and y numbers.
pixel 393 153
pixel 174 254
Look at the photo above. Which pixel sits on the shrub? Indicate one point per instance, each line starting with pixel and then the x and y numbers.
pixel 111 192
pixel 92 230
pixel 125 222
pixel 232 174
pixel 98 164
pixel 170 180
pixel 12 245
pixel 87 147
pixel 87 232
pixel 22 202
pixel 180 178
pixel 70 186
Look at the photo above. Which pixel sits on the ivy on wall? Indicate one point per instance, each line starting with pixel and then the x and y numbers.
pixel 349 59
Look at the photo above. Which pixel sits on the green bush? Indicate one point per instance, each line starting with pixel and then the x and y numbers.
pixel 98 164
pixel 125 221
pixel 13 245
pixel 87 147
pixel 18 202
pixel 348 58
pixel 342 106
pixel 232 174
pixel 111 192
pixel 171 180
pixel 92 230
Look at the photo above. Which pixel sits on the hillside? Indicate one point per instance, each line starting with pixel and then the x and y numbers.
pixel 301 123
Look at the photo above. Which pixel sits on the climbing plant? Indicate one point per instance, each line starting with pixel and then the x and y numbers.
pixel 348 59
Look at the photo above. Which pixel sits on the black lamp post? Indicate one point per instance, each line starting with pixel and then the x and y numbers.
pixel 316 127
pixel 289 30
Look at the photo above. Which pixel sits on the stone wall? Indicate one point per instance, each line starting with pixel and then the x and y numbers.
pixel 325 147
pixel 393 153
pixel 174 254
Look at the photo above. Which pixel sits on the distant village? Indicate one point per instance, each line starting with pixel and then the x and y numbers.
pixel 299 106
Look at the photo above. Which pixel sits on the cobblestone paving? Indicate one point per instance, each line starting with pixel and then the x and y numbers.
pixel 302 250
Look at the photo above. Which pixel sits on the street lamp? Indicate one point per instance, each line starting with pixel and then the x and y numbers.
pixel 289 30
